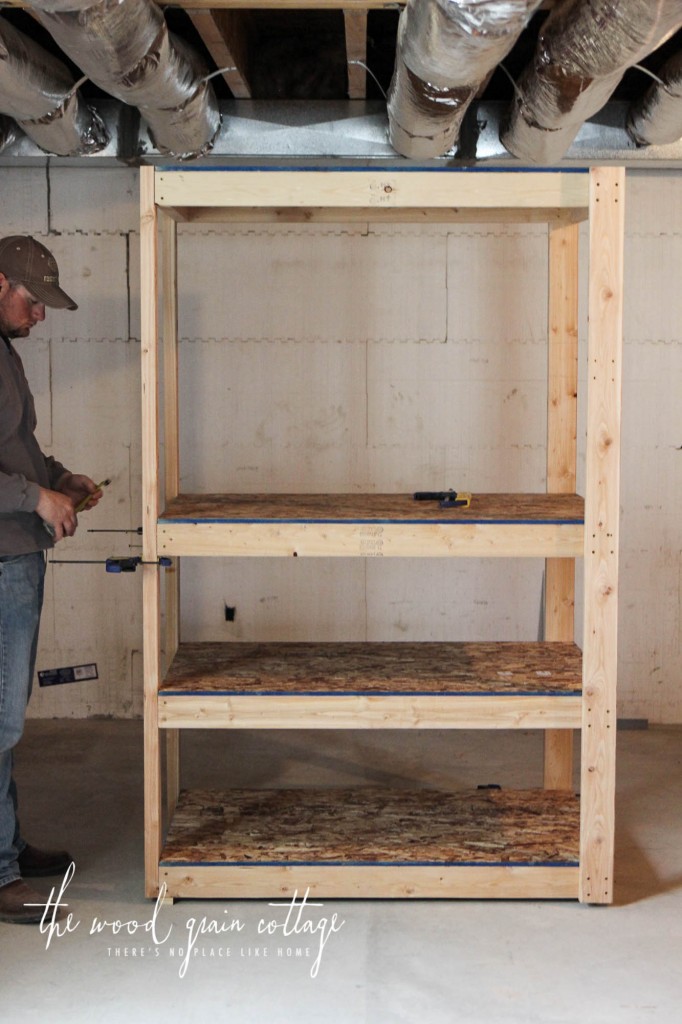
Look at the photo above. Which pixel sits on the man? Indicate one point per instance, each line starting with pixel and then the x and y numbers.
pixel 38 500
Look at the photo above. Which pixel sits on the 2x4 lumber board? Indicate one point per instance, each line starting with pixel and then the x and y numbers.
pixel 373 842
pixel 150 574
pixel 355 25
pixel 172 738
pixel 294 540
pixel 602 512
pixel 373 215
pixel 342 541
pixel 169 281
pixel 169 276
pixel 171 581
pixel 370 712
pixel 562 374
pixel 562 429
pixel 225 34
pixel 373 685
pixel 373 189
pixel 366 882
pixel 149 329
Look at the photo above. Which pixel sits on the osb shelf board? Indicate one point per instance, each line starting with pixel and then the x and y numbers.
pixel 374 827
pixel 273 669
pixel 371 508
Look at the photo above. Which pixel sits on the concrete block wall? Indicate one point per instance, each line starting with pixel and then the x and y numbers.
pixel 334 358
pixel 83 367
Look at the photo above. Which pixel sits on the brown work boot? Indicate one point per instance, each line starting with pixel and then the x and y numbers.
pixel 35 863
pixel 16 903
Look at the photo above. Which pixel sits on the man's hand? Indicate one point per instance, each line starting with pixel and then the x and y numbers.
pixel 79 488
pixel 58 512
pixel 58 508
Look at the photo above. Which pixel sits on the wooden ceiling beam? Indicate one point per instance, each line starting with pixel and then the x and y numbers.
pixel 355 23
pixel 226 35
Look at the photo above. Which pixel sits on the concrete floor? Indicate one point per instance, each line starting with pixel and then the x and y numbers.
pixel 403 961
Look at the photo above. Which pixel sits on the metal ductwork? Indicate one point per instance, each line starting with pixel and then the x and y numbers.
pixel 38 91
pixel 656 119
pixel 8 131
pixel 583 49
pixel 446 50
pixel 125 48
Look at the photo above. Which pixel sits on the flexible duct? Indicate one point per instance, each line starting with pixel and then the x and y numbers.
pixel 656 118
pixel 445 51
pixel 583 49
pixel 8 132
pixel 38 91
pixel 124 46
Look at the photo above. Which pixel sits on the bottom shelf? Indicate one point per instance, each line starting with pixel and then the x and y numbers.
pixel 373 843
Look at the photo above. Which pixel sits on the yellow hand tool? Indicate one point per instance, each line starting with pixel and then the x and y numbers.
pixel 81 504
pixel 446 499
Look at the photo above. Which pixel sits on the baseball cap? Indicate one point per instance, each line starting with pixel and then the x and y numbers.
pixel 25 260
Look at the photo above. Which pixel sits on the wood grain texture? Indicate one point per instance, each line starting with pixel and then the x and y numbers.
pixel 554 713
pixel 357 540
pixel 373 215
pixel 355 26
pixel 383 189
pixel 149 272
pixel 562 429
pixel 381 668
pixel 373 826
pixel 354 508
pixel 371 881
pixel 226 36
pixel 602 521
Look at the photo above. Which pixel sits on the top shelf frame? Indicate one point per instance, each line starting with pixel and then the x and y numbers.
pixel 310 194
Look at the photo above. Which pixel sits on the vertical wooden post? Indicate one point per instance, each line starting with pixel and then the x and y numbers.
pixel 602 507
pixel 562 425
pixel 169 287
pixel 150 509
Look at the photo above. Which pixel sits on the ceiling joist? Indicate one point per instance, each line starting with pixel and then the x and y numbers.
pixel 227 35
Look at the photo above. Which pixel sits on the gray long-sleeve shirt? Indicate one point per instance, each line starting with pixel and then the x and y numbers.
pixel 23 467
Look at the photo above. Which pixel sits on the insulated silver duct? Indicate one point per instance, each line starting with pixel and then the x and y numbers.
pixel 446 49
pixel 656 119
pixel 583 49
pixel 38 91
pixel 124 46
pixel 8 131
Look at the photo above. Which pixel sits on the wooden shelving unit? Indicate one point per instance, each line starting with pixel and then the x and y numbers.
pixel 367 842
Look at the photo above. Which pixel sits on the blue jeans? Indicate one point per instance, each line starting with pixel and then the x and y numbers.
pixel 21 600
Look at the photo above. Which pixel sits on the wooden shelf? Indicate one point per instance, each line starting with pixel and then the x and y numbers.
pixel 373 842
pixel 373 685
pixel 371 525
